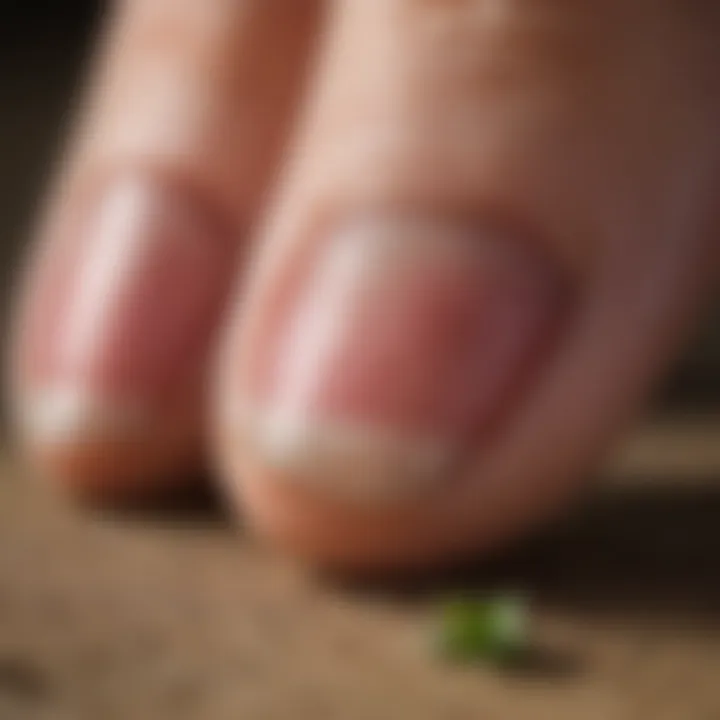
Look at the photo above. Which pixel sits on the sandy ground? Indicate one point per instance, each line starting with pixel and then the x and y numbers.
pixel 176 614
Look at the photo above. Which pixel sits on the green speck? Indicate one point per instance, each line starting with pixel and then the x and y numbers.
pixel 492 630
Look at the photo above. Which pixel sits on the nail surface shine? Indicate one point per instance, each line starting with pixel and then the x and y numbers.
pixel 400 346
pixel 132 330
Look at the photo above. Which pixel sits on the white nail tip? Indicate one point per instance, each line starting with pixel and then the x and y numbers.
pixel 360 461
pixel 69 415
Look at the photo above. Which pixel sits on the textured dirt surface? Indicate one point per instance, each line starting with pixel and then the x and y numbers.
pixel 175 614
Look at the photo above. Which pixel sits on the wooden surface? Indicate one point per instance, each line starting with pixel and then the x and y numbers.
pixel 175 614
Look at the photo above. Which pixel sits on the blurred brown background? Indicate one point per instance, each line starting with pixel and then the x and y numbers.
pixel 174 614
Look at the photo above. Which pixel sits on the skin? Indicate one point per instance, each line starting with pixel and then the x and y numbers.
pixel 400 270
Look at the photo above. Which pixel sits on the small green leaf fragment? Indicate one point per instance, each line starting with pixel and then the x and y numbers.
pixel 492 630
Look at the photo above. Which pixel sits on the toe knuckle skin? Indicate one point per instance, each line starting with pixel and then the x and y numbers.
pixel 552 110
